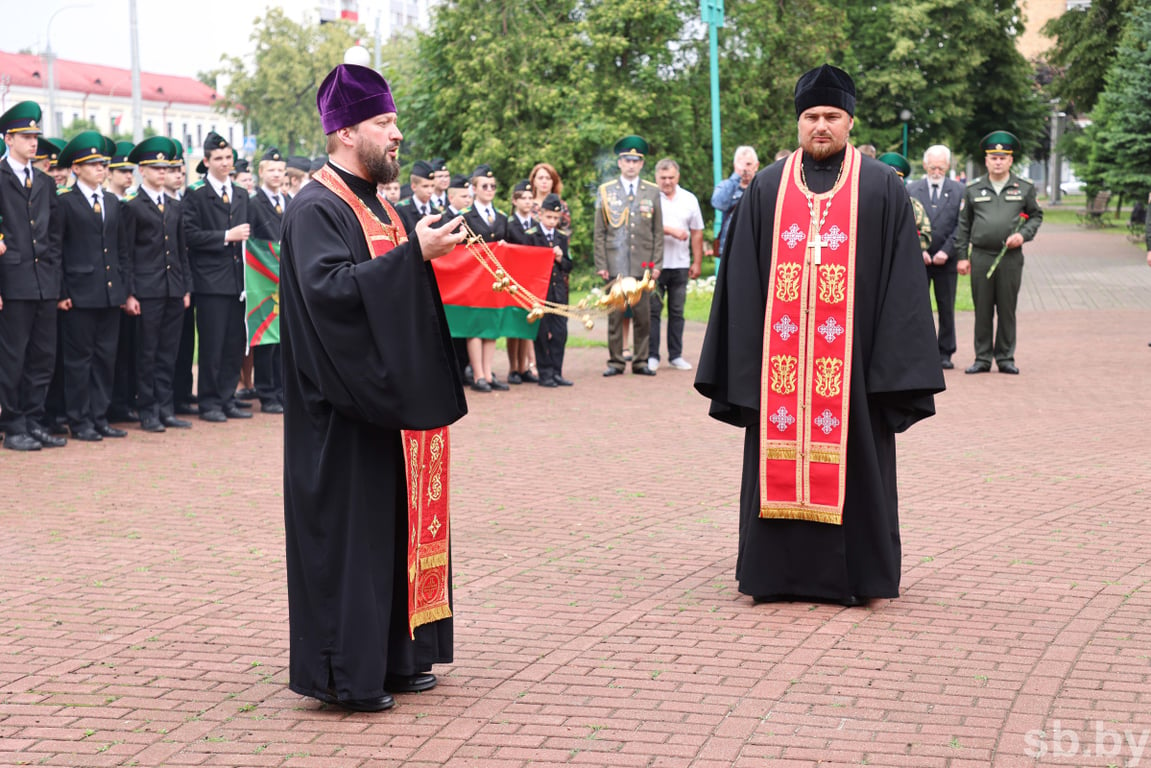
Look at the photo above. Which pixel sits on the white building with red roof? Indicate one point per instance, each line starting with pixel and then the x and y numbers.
pixel 179 107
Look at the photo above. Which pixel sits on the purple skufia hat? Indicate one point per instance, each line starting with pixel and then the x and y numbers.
pixel 351 94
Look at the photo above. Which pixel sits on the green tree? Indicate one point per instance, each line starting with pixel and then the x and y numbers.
pixel 1085 39
pixel 1122 117
pixel 275 95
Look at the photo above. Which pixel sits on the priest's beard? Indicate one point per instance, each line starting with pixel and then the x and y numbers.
pixel 824 151
pixel 374 159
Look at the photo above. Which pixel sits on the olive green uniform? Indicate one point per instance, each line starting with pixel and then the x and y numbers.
pixel 986 220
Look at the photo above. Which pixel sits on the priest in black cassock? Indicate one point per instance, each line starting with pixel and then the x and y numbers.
pixel 368 363
pixel 821 345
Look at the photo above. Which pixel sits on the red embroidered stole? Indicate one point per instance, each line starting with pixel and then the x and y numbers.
pixel 807 341
pixel 427 453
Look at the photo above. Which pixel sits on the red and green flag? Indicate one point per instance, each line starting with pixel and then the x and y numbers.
pixel 262 288
pixel 473 309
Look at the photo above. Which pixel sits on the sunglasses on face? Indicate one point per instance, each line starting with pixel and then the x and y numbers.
pixel 486 186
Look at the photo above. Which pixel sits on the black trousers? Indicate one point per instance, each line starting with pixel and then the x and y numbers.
pixel 54 400
pixel 124 376
pixel 157 343
pixel 268 374
pixel 185 356
pixel 220 329
pixel 549 344
pixel 27 357
pixel 943 283
pixel 90 337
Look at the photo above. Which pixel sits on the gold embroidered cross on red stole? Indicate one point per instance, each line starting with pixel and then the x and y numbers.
pixel 427 453
pixel 807 342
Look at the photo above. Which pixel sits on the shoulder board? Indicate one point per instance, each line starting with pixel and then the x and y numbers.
pixel 63 190
pixel 501 213
pixel 195 185
pixel 405 202
pixel 1024 182
pixel 129 197
pixel 646 183
pixel 465 210
pixel 606 184
pixel 975 181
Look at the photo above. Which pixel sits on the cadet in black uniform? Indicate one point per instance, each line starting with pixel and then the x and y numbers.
pixel 159 283
pixel 123 407
pixel 419 204
pixel 29 283
pixel 91 228
pixel 267 215
pixel 216 222
pixel 175 188
pixel 492 225
pixel 443 177
pixel 553 333
pixel 521 225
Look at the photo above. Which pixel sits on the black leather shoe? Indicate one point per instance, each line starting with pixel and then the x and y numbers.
pixel 564 382
pixel 412 684
pixel 217 417
pixel 1008 368
pixel 528 377
pixel 613 372
pixel 46 440
pixel 272 408
pixel 87 435
pixel 172 421
pixel 56 428
pixel 361 705
pixel 643 372
pixel 235 413
pixel 498 385
pixel 515 378
pixel 21 443
pixel 247 394
pixel 239 404
pixel 107 431
pixel 978 368
pixel 185 409
pixel 152 425
pixel 120 415
pixel 946 364
pixel 481 385
pixel 548 383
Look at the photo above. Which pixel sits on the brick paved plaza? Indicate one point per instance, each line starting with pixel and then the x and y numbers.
pixel 143 609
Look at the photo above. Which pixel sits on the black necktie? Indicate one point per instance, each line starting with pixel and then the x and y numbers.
pixel 160 202
pixel 279 208
pixel 224 196
pixel 27 177
pixel 934 194
pixel 550 240
pixel 630 191
pixel 96 204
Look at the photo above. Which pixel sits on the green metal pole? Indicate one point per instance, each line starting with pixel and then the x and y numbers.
pixel 905 138
pixel 712 12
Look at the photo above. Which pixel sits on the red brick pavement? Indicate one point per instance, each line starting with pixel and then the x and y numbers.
pixel 143 609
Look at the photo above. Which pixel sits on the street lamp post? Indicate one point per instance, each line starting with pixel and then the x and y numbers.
pixel 905 116
pixel 50 62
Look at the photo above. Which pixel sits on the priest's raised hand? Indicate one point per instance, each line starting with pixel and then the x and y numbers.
pixel 438 241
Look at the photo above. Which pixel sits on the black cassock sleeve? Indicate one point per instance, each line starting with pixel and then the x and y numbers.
pixel 902 365
pixel 367 336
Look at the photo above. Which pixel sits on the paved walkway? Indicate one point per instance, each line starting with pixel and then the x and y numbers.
pixel 143 610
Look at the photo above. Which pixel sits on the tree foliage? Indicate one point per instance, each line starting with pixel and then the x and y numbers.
pixel 1121 129
pixel 274 95
pixel 1085 39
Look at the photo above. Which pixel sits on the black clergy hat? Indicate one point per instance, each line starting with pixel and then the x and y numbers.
pixel 214 141
pixel 459 181
pixel 896 161
pixel 155 151
pixel 86 147
pixel 552 203
pixel 483 171
pixel 272 154
pixel 299 163
pixel 523 185
pixel 1000 143
pixel 825 86
pixel 22 118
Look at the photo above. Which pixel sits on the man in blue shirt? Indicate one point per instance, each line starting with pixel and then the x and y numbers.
pixel 728 192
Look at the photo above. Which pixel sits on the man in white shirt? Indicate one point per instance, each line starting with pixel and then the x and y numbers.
pixel 682 259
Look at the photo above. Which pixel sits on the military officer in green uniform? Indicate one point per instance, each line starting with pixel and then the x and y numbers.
pixel 998 210
pixel 628 239
pixel 902 169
